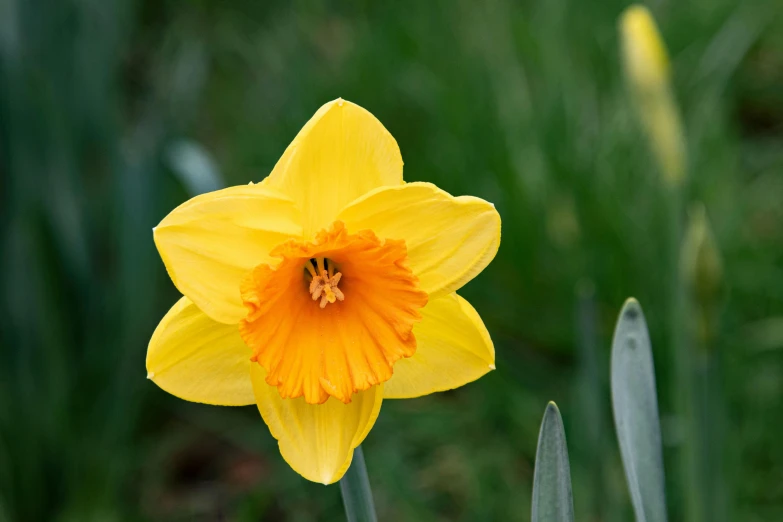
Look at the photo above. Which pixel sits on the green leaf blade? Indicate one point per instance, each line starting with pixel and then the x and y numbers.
pixel 635 406
pixel 552 497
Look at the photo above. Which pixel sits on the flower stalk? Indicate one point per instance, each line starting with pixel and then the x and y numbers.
pixel 355 488
pixel 702 276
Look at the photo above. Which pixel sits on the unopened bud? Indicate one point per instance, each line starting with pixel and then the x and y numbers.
pixel 646 65
pixel 702 269
pixel 646 60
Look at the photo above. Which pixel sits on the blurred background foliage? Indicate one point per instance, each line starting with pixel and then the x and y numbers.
pixel 113 112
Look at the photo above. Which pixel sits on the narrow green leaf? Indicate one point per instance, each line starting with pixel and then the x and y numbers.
pixel 636 419
pixel 552 499
pixel 357 495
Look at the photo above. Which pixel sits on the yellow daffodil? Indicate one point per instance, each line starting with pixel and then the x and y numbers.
pixel 322 290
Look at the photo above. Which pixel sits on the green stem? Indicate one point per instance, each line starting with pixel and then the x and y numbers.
pixel 357 495
pixel 678 364
pixel 709 498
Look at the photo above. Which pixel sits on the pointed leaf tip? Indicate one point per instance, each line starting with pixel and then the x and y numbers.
pixel 631 308
pixel 552 498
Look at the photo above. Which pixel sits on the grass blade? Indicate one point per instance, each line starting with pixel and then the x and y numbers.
pixel 552 499
pixel 636 419
pixel 357 495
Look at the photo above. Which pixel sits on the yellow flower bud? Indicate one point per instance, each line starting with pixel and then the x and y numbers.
pixel 646 60
pixel 647 69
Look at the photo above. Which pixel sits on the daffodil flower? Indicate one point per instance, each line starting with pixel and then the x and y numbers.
pixel 322 290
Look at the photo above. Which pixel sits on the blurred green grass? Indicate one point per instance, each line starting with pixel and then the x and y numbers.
pixel 521 103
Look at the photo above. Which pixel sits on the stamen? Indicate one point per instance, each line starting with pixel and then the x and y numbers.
pixel 309 267
pixel 323 283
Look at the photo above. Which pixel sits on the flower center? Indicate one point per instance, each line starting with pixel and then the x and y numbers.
pixel 323 281
pixel 319 351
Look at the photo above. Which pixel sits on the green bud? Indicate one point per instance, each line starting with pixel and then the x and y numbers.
pixel 702 270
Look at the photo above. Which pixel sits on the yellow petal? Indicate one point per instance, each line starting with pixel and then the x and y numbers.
pixel 198 359
pixel 212 241
pixel 317 440
pixel 340 154
pixel 453 348
pixel 450 240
